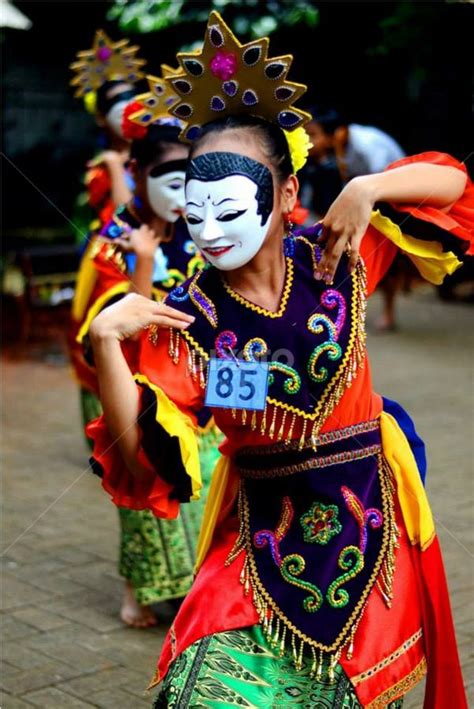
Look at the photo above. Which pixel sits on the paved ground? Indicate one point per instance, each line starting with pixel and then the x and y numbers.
pixel 64 646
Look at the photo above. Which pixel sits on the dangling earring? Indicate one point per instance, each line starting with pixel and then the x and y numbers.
pixel 289 238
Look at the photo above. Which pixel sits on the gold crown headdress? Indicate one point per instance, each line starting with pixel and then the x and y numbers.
pixel 157 102
pixel 106 61
pixel 230 78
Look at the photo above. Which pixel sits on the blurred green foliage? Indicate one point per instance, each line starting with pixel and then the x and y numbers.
pixel 248 18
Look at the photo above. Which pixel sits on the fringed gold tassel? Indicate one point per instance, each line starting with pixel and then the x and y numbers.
pixel 239 544
pixel 281 432
pixel 319 670
pixel 292 426
pixel 303 435
pixel 271 432
pixel 350 650
pixel 245 576
pixel 153 334
pixel 385 580
pixel 276 635
pixel 173 349
pixel 253 422
pixel 269 632
pixel 190 362
pixel 314 437
pixel 293 649
pixel 202 373
pixel 263 425
pixel 282 642
pixel 333 660
pixel 299 665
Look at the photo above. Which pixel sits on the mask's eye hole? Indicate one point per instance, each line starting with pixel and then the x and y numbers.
pixel 193 219
pixel 230 214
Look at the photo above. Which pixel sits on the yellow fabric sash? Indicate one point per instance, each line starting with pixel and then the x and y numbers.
pixel 178 425
pixel 428 256
pixel 85 283
pixel 411 493
pixel 219 481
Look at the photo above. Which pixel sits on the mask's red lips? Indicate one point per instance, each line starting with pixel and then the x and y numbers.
pixel 217 250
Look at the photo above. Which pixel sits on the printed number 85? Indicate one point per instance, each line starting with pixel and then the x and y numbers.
pixel 224 387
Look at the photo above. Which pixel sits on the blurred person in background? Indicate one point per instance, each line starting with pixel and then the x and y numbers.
pixel 358 150
pixel 340 152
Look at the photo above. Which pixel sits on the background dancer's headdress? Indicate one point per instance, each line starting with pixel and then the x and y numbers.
pixel 154 106
pixel 230 78
pixel 106 61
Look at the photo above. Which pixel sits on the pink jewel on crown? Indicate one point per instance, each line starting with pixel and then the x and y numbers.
pixel 103 54
pixel 224 65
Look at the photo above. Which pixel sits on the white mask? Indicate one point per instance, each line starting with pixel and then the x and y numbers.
pixel 114 117
pixel 223 221
pixel 166 194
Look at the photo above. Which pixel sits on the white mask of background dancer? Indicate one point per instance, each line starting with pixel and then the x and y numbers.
pixel 114 117
pixel 166 194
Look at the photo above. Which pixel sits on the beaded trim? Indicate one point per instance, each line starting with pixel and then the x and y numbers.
pixel 338 434
pixel 257 308
pixel 400 688
pixel 358 679
pixel 202 302
pixel 319 462
pixel 269 611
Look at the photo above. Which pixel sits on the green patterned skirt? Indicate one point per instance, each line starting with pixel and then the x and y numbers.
pixel 237 668
pixel 157 556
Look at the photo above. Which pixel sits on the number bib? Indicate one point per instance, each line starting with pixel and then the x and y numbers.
pixel 237 384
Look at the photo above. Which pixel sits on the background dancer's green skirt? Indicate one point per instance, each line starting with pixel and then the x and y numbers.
pixel 90 408
pixel 157 556
pixel 237 668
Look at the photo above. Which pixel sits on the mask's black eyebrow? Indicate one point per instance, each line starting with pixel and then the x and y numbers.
pixel 194 204
pixel 226 199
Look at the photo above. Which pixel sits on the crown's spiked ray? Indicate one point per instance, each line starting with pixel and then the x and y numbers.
pixel 106 61
pixel 157 102
pixel 167 70
pixel 230 78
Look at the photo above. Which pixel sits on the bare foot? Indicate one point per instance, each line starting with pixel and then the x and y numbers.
pixel 132 613
pixel 385 323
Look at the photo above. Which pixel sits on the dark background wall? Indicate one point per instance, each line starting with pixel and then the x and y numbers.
pixel 417 87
